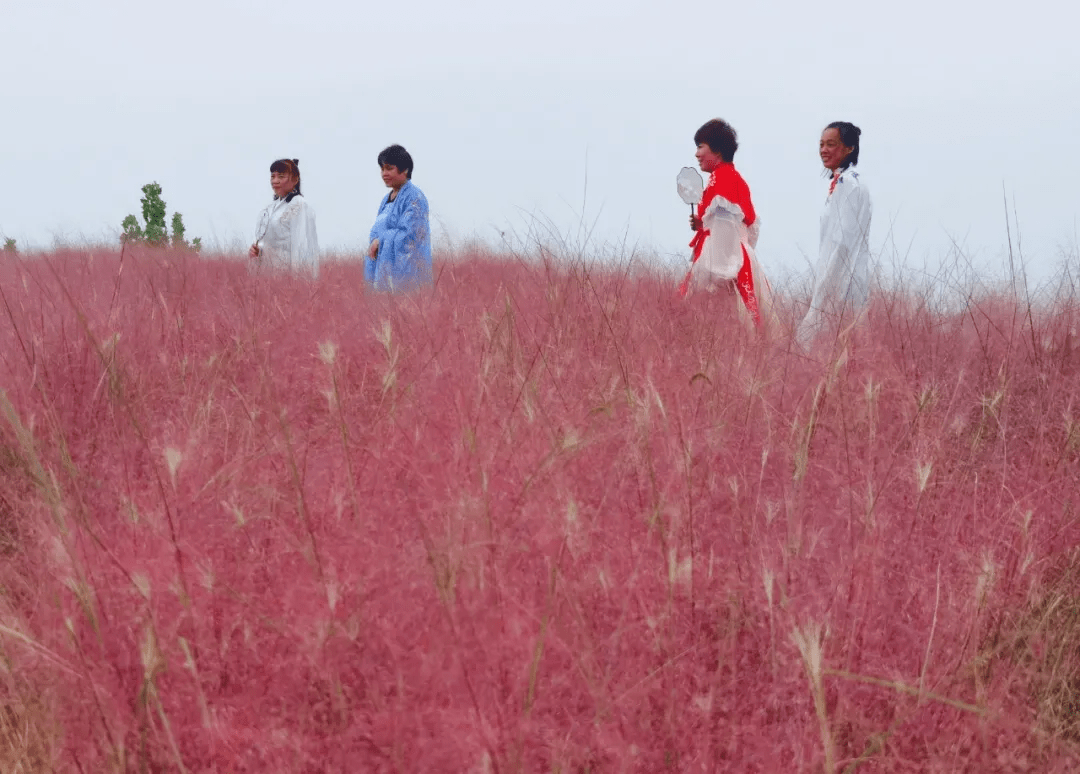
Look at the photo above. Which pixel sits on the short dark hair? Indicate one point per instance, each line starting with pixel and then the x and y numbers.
pixel 288 167
pixel 396 156
pixel 719 136
pixel 849 135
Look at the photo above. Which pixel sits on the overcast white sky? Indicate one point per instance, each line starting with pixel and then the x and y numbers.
pixel 507 108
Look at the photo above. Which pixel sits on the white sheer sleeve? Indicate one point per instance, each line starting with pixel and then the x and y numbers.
pixel 261 226
pixel 721 255
pixel 303 239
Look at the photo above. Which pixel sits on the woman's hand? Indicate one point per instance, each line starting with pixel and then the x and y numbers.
pixel 253 252
pixel 373 250
pixel 695 223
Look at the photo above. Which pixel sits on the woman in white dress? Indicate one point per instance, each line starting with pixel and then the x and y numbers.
pixel 842 272
pixel 285 236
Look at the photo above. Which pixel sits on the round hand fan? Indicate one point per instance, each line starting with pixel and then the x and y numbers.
pixel 690 186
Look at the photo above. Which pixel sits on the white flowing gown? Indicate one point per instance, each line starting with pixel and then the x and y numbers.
pixel 842 272
pixel 286 235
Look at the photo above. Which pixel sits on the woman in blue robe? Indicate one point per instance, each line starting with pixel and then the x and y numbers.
pixel 399 254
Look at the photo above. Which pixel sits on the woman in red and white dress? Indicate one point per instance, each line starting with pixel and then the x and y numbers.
pixel 726 224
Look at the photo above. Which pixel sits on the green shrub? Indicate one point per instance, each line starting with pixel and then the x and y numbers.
pixel 132 230
pixel 154 231
pixel 178 230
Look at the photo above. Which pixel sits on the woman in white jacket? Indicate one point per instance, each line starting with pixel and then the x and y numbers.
pixel 842 273
pixel 285 235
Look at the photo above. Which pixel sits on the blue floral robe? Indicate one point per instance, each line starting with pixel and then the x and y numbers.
pixel 404 234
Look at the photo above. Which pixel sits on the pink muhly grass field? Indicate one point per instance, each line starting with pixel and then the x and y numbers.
pixel 544 518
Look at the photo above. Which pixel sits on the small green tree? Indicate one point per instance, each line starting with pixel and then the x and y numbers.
pixel 178 230
pixel 132 230
pixel 9 245
pixel 155 232
pixel 153 212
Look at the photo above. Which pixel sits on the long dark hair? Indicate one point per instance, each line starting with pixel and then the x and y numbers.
pixel 289 167
pixel 849 135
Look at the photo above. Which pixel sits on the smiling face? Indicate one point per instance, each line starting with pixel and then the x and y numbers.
pixel 832 150
pixel 707 158
pixel 282 183
pixel 393 177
